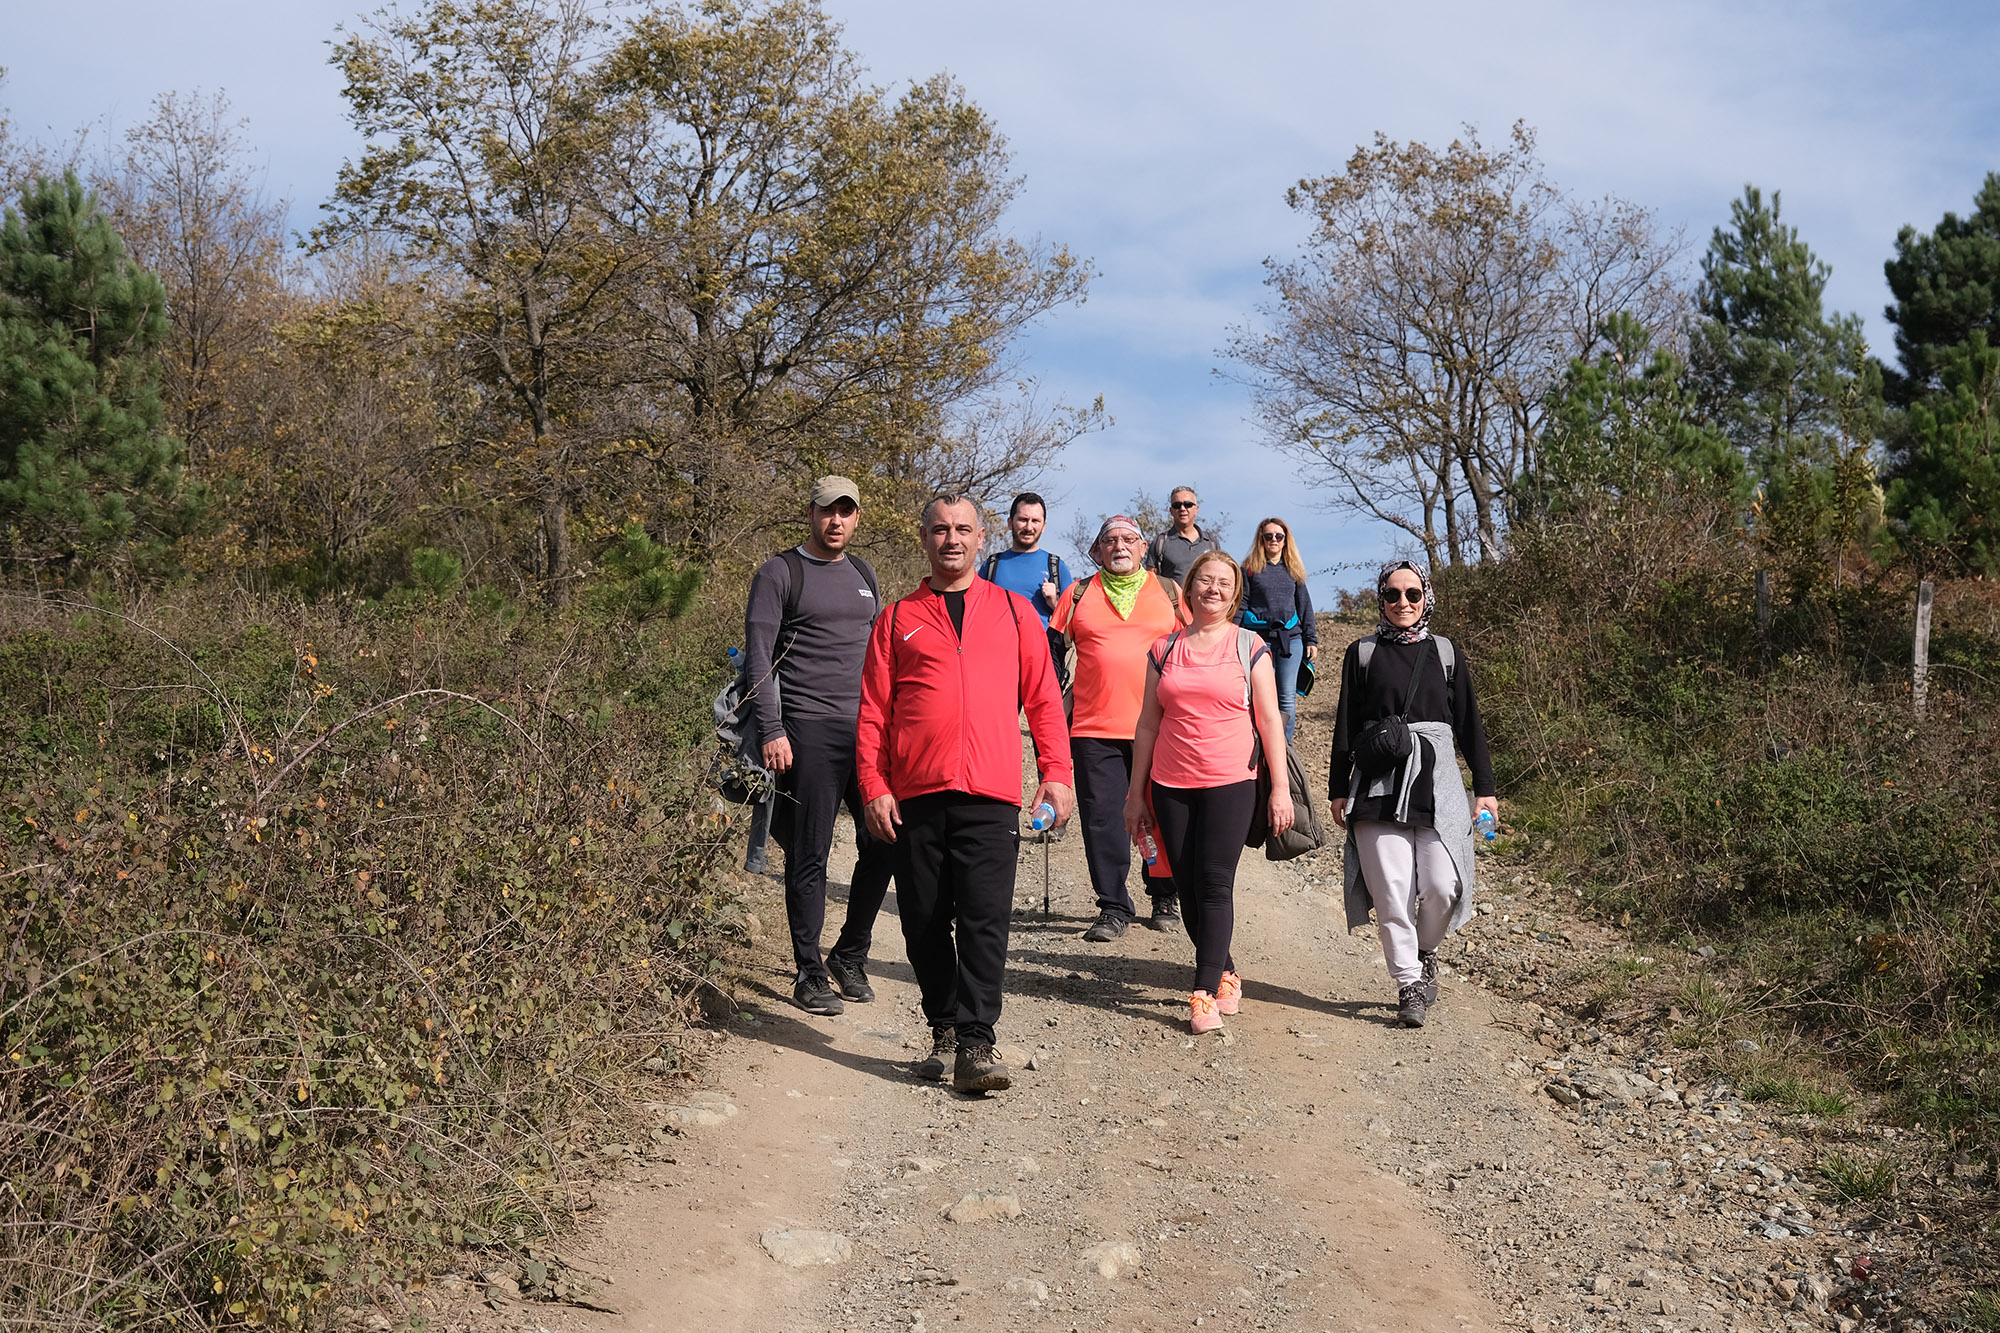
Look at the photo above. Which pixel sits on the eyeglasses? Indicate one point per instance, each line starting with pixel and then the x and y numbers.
pixel 1183 504
pixel 1274 536
pixel 1390 596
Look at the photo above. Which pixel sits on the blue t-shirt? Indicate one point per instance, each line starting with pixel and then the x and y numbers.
pixel 1025 572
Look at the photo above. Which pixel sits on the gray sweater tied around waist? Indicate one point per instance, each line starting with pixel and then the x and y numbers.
pixel 1452 818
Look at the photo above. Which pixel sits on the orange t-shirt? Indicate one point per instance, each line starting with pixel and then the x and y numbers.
pixel 1111 655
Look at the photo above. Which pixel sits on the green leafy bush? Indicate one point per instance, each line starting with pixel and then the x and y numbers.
pixel 1772 788
pixel 333 939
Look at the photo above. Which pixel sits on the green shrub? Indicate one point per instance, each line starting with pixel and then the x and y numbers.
pixel 334 939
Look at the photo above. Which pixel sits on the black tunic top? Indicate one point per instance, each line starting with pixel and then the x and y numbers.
pixel 1378 694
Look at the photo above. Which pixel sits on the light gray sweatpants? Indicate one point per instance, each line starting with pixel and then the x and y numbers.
pixel 1414 885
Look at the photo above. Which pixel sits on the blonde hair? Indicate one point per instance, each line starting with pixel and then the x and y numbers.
pixel 1256 560
pixel 1236 603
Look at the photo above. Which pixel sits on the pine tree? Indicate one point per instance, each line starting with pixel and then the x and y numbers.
pixel 1781 378
pixel 83 464
pixel 1946 500
pixel 1946 285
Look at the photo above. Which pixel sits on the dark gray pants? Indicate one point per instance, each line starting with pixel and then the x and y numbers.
pixel 808 801
pixel 1103 779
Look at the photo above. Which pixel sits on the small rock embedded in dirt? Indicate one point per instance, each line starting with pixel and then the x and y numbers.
pixel 1031 1290
pixel 1015 1056
pixel 1112 1259
pixel 919 1166
pixel 806 1249
pixel 1027 1166
pixel 1380 1127
pixel 984 1208
pixel 1601 1285
pixel 1563 1093
pixel 704 1110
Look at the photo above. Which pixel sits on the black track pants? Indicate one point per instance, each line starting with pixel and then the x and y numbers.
pixel 1203 829
pixel 955 858
pixel 1103 780
pixel 810 794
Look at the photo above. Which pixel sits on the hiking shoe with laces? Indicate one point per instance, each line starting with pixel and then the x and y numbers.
pixel 815 995
pixel 850 981
pixel 1410 1006
pixel 1166 914
pixel 1430 978
pixel 944 1045
pixel 977 1071
pixel 1229 995
pixel 1108 926
pixel 1202 1016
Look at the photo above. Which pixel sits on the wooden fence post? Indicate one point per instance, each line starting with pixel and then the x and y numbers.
pixel 1920 658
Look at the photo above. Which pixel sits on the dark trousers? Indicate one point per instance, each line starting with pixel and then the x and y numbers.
pixel 1103 780
pixel 1203 829
pixel 955 858
pixel 821 780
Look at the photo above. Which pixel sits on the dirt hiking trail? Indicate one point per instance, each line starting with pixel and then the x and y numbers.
pixel 1313 1168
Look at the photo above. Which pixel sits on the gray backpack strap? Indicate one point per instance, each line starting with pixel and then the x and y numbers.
pixel 1447 655
pixel 990 567
pixel 1363 650
pixel 1248 641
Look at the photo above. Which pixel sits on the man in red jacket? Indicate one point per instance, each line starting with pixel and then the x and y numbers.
pixel 938 748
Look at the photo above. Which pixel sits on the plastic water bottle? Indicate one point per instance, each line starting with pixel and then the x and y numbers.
pixel 1150 849
pixel 1043 818
pixel 736 657
pixel 1486 825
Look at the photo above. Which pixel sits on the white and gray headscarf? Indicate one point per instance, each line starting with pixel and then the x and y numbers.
pixel 1417 632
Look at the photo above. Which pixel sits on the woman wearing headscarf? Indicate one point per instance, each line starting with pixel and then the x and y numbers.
pixel 1277 605
pixel 1409 825
pixel 1210 704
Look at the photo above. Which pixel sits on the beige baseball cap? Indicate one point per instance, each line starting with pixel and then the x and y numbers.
pixel 830 491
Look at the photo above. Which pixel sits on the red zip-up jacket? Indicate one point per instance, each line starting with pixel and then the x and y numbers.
pixel 939 713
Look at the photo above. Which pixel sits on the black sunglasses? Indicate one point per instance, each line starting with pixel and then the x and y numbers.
pixel 1183 504
pixel 1274 536
pixel 1390 596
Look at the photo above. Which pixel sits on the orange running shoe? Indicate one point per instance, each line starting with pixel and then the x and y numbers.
pixel 1201 1013
pixel 1229 995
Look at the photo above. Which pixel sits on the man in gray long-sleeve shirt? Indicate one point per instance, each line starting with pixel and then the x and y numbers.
pixel 1172 553
pixel 805 633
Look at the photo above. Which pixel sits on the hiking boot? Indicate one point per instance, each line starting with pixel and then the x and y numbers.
pixel 1201 1013
pixel 1410 1006
pixel 1430 977
pixel 1108 926
pixel 977 1071
pixel 1166 914
pixel 1229 994
pixel 944 1045
pixel 850 981
pixel 815 996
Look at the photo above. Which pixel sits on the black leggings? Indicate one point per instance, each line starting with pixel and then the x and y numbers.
pixel 1202 831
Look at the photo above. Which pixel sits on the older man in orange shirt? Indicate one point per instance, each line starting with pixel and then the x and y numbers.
pixel 1114 617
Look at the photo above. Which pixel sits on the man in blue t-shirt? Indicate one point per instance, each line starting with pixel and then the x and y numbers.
pixel 1027 569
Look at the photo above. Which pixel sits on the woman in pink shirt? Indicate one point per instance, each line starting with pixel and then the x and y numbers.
pixel 1198 745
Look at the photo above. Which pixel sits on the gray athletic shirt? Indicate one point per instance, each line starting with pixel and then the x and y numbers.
pixel 820 675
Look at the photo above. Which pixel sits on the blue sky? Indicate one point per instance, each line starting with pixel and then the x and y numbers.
pixel 1158 139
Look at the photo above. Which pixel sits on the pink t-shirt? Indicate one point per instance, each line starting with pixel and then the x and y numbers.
pixel 1206 738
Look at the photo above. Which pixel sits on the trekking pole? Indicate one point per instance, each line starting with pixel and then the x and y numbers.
pixel 1046 913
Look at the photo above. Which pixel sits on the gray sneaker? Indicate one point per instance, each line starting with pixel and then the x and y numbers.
pixel 1166 914
pixel 1430 978
pixel 944 1045
pixel 977 1071
pixel 1410 1006
pixel 815 995
pixel 1108 926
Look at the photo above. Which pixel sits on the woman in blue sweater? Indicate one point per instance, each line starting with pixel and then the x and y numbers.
pixel 1277 605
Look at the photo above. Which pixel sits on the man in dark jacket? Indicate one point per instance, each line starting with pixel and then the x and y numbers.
pixel 805 634
pixel 950 669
